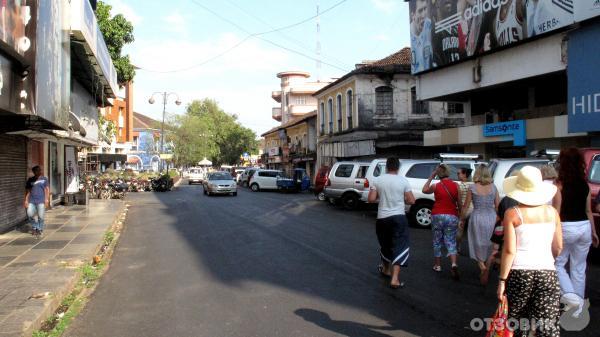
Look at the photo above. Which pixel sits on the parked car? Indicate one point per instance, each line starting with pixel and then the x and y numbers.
pixel 245 176
pixel 504 168
pixel 592 166
pixel 195 176
pixel 219 183
pixel 346 182
pixel 320 181
pixel 417 172
pixel 264 180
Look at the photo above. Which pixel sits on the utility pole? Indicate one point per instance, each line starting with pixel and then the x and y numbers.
pixel 165 97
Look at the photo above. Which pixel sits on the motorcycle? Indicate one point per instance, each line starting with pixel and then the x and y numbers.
pixel 163 183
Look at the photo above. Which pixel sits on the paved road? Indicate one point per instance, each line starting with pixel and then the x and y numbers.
pixel 269 264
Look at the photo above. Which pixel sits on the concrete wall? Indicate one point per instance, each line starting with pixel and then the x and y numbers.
pixel 530 59
pixel 84 106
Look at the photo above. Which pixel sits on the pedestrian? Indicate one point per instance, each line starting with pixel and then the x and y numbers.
pixel 484 196
pixel 574 202
pixel 497 238
pixel 37 199
pixel 464 176
pixel 393 192
pixel 549 175
pixel 532 240
pixel 444 217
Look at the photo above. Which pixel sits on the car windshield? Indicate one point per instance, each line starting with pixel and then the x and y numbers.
pixel 595 170
pixel 220 176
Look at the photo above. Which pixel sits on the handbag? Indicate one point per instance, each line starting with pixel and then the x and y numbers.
pixel 499 326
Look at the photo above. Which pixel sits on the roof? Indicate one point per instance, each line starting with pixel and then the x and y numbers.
pixel 397 63
pixel 144 122
pixel 291 122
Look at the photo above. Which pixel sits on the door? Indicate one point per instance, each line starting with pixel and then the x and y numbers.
pixel 53 171
pixel 343 177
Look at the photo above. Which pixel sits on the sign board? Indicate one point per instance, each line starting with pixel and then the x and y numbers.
pixel 166 156
pixel 516 129
pixel 583 80
pixel 449 31
pixel 245 155
pixel 273 151
pixel 586 9
pixel 71 170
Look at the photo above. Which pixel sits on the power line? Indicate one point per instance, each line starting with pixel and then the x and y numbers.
pixel 250 35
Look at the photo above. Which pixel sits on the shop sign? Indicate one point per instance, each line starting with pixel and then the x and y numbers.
pixel 273 151
pixel 586 9
pixel 516 129
pixel 583 80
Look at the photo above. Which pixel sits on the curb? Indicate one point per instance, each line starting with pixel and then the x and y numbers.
pixel 58 297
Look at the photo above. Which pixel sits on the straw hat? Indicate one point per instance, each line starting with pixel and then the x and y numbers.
pixel 528 188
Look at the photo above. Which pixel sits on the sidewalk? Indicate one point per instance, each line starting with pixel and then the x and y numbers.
pixel 31 267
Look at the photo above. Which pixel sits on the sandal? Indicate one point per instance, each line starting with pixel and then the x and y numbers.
pixel 437 269
pixel 397 286
pixel 454 273
pixel 381 273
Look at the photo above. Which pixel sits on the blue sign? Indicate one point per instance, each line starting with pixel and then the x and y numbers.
pixel 584 79
pixel 246 155
pixel 516 129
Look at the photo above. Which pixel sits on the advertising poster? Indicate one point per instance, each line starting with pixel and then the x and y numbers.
pixel 586 9
pixel 443 32
pixel 71 170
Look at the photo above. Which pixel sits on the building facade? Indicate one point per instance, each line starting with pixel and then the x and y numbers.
pixel 295 96
pixel 144 153
pixel 373 111
pixel 56 71
pixel 515 88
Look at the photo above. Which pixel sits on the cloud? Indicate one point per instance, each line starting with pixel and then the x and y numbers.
pixel 119 7
pixel 384 5
pixel 176 23
pixel 381 37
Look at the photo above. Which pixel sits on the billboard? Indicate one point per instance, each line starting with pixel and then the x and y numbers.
pixel 583 80
pixel 443 32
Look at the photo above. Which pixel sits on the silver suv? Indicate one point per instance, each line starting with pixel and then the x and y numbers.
pixel 346 182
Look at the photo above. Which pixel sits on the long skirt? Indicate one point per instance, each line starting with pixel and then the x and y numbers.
pixel 392 233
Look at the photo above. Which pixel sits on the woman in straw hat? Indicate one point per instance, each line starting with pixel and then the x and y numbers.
pixel 574 203
pixel 532 240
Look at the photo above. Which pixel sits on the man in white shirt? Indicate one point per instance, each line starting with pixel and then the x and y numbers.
pixel 393 192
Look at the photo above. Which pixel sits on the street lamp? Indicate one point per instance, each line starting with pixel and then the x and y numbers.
pixel 165 97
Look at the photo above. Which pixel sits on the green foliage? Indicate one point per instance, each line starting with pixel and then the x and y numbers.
pixel 109 237
pixel 208 131
pixel 117 32
pixel 106 128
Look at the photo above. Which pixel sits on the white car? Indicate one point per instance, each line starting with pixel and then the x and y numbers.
pixel 264 180
pixel 504 168
pixel 195 176
pixel 417 172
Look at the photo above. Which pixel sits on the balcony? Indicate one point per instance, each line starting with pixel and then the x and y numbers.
pixel 276 95
pixel 276 114
pixel 300 110
pixel 86 34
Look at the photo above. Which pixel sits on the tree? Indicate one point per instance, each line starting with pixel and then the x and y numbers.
pixel 208 131
pixel 117 32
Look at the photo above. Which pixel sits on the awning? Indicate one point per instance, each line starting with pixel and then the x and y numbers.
pixel 10 122
pixel 133 160
pixel 205 162
pixel 108 157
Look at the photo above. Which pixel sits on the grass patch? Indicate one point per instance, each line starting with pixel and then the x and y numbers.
pixel 108 238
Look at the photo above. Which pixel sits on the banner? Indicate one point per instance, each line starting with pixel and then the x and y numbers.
pixel 71 170
pixel 443 32
pixel 586 9
pixel 583 80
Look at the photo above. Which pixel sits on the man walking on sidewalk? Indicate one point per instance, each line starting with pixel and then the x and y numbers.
pixel 393 192
pixel 37 199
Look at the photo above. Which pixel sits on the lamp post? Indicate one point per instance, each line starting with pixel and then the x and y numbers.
pixel 165 97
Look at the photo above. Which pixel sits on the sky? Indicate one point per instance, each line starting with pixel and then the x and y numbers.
pixel 204 49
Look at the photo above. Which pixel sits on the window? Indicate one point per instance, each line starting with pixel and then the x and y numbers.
pixel 322 116
pixel 421 171
pixel 595 170
pixel 362 172
pixel 418 107
pixel 300 100
pixel 330 111
pixel 379 169
pixel 384 101
pixel 454 168
pixel 519 166
pixel 344 171
pixel 287 99
pixel 455 108
pixel 349 102
pixel 339 112
pixel 268 174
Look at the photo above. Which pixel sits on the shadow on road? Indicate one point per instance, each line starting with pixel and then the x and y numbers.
pixel 345 328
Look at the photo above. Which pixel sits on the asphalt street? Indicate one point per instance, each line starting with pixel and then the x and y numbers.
pixel 270 264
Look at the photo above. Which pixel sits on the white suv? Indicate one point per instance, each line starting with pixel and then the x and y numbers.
pixel 264 180
pixel 195 175
pixel 346 182
pixel 417 172
pixel 504 168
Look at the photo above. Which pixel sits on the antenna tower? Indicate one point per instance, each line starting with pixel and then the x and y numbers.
pixel 318 51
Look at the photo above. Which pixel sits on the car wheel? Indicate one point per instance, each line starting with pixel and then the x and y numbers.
pixel 321 196
pixel 189 182
pixel 235 194
pixel 421 214
pixel 254 188
pixel 245 184
pixel 350 201
pixel 204 192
